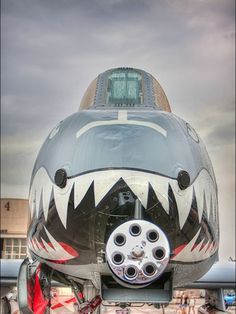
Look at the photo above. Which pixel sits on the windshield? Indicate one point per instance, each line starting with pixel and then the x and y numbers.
pixel 124 87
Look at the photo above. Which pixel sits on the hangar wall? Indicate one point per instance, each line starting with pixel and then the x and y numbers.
pixel 15 220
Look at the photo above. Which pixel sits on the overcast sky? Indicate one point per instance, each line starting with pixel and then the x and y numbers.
pixel 52 49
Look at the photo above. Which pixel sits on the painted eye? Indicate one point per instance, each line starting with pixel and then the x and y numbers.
pixel 60 178
pixel 183 179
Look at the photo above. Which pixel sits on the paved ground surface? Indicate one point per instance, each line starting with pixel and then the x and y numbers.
pixel 172 308
pixel 66 306
pixel 150 310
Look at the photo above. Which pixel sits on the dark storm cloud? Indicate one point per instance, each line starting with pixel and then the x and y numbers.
pixel 52 49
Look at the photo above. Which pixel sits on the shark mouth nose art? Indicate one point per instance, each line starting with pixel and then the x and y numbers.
pixel 201 191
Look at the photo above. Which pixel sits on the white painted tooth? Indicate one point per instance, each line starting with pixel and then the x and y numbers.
pixel 31 245
pixel 215 208
pixel 204 246
pixel 209 190
pixel 35 245
pixel 204 185
pixel 208 200
pixel 81 186
pixel 103 182
pixel 209 251
pixel 160 186
pixel 198 247
pixel 214 248
pixel 32 201
pixel 61 252
pixel 38 244
pixel 199 193
pixel 37 185
pixel 212 206
pixel 47 191
pixel 43 248
pixel 47 253
pixel 184 201
pixel 61 197
pixel 211 247
pixel 41 185
pixel 204 249
pixel 139 184
pixel 54 243
pixel 186 254
pixel 38 199
pixel 48 247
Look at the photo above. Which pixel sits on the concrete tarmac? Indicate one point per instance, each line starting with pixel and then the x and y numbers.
pixel 172 308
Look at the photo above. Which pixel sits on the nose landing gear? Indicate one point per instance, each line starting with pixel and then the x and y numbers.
pixel 35 294
pixel 82 306
pixel 89 307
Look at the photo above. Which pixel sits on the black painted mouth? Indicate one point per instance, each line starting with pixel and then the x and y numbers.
pixel 88 226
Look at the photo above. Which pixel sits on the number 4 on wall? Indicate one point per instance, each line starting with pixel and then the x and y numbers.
pixel 7 206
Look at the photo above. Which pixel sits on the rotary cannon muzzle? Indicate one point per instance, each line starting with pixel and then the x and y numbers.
pixel 137 252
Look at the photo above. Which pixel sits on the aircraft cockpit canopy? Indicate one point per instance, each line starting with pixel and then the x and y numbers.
pixel 125 87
